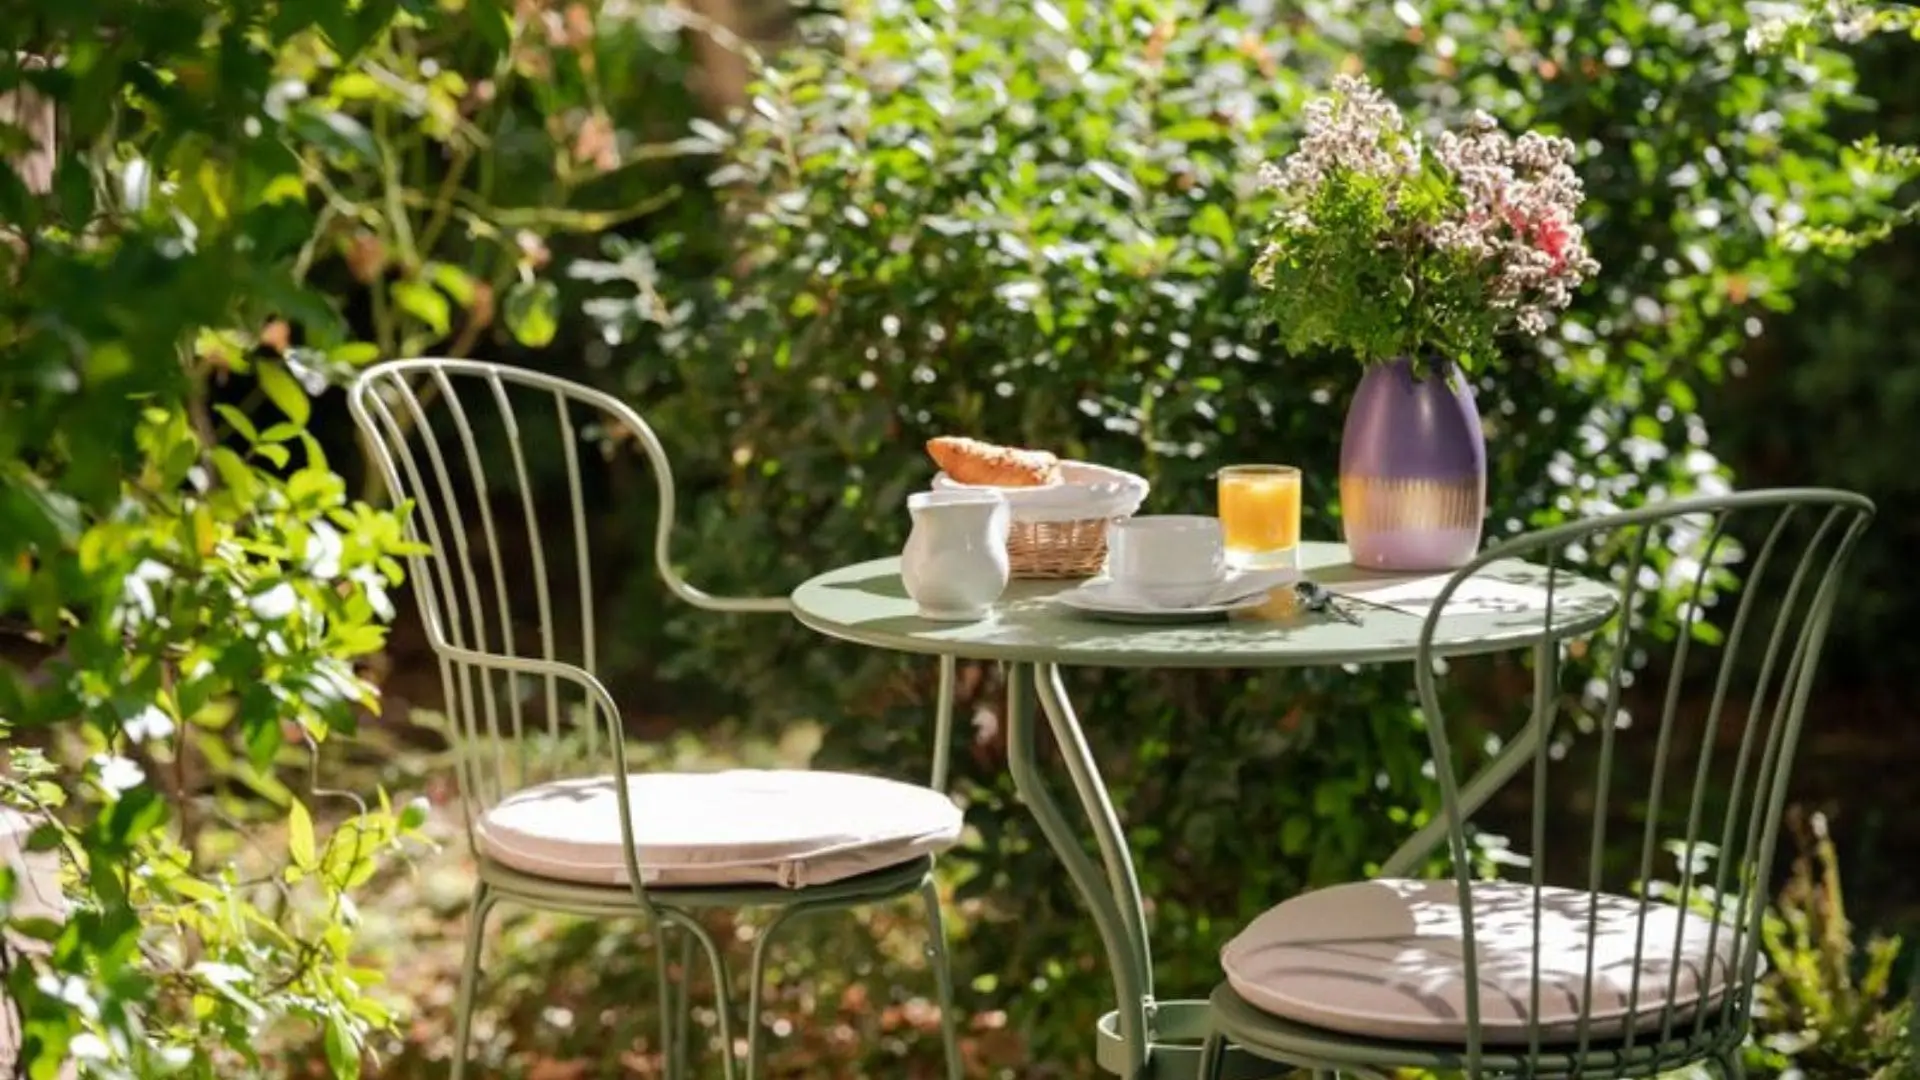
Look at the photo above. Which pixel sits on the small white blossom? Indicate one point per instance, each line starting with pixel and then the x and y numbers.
pixel 149 723
pixel 375 588
pixel 117 774
pixel 325 546
pixel 275 604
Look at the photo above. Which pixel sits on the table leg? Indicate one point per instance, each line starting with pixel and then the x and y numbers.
pixel 1112 839
pixel 1113 897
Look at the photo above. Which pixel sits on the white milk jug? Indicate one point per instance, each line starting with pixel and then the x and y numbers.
pixel 955 562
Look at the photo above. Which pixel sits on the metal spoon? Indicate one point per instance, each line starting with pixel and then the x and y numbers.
pixel 1320 601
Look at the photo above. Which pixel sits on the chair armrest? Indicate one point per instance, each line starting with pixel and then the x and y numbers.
pixel 777 605
pixel 595 690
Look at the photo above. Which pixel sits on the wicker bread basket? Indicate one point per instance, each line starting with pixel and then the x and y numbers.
pixel 1060 531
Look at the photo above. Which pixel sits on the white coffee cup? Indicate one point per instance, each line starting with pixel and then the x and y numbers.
pixel 1173 560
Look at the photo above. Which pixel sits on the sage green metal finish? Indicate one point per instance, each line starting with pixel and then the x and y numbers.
pixel 450 438
pixel 867 604
pixel 1180 1030
pixel 1146 1038
pixel 1791 586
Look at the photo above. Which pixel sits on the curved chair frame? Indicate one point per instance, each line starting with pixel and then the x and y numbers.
pixel 1670 1037
pixel 454 600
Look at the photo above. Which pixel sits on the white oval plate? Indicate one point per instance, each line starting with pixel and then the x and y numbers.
pixel 1099 597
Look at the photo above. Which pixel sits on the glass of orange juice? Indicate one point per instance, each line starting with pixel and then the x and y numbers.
pixel 1260 516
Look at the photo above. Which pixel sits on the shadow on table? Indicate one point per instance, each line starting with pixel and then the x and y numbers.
pixel 884 585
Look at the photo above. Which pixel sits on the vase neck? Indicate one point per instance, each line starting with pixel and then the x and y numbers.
pixel 1427 368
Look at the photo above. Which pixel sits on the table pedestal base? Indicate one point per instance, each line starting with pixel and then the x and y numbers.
pixel 1174 1051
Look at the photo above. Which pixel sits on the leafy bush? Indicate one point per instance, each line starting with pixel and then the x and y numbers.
pixel 246 202
pixel 1030 222
pixel 1825 1009
pixel 189 587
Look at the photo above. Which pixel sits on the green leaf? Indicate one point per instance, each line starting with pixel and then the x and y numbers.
pixel 426 303
pixel 355 353
pixel 533 311
pixel 194 889
pixel 357 85
pixel 453 281
pixel 238 421
pixel 233 472
pixel 39 928
pixel 300 845
pixel 492 22
pixel 284 391
pixel 1295 834
pixel 343 1049
pixel 1193 130
pixel 342 137
pixel 1213 222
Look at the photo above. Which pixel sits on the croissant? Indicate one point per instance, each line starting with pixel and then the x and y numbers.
pixel 970 461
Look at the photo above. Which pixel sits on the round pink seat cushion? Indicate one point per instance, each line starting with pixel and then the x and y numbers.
pixel 1385 959
pixel 790 828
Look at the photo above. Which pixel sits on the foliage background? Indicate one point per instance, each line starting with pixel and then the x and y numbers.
pixel 1028 221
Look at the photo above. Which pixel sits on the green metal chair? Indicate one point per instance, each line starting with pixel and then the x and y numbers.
pixel 556 818
pixel 1577 972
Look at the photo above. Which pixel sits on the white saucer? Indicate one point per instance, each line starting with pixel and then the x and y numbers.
pixel 1100 596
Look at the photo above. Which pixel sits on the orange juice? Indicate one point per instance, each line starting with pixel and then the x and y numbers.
pixel 1260 514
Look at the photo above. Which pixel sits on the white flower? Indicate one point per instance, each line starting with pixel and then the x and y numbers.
pixel 150 723
pixel 274 604
pixel 118 774
pixel 324 548
pixel 375 586
pixel 136 592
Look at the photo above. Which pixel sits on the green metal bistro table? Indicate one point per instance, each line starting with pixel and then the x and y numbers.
pixel 1146 1038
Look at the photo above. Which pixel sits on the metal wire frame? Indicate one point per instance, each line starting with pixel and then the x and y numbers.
pixel 1824 525
pixel 467 607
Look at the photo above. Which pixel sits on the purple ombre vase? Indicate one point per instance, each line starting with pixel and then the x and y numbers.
pixel 1413 469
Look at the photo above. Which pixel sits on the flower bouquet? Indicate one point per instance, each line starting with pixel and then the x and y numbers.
pixel 1415 256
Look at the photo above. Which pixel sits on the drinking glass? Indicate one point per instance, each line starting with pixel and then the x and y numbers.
pixel 1260 516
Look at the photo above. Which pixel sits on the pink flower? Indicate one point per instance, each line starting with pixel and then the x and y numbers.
pixel 1550 235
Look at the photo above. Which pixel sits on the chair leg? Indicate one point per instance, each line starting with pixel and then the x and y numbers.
pixel 757 980
pixel 1733 1063
pixel 672 1055
pixel 683 1007
pixel 1213 1053
pixel 943 976
pixel 483 901
pixel 722 985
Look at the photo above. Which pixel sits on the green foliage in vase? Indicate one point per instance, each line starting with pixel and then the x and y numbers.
pixel 1383 245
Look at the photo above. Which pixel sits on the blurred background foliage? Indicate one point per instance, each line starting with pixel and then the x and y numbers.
pixel 801 240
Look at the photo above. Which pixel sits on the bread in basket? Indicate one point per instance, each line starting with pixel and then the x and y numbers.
pixel 1060 509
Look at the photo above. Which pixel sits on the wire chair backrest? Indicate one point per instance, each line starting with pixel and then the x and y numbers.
pixel 510 589
pixel 1732 798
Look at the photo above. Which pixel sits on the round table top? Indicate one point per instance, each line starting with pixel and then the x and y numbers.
pixel 867 604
